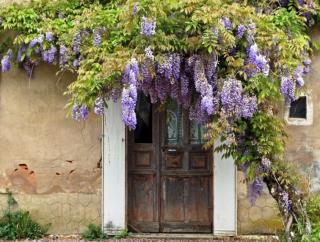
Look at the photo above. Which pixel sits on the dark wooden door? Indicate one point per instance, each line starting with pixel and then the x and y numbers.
pixel 186 174
pixel 169 173
pixel 143 170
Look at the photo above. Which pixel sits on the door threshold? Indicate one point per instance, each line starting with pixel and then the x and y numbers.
pixel 201 237
pixel 172 236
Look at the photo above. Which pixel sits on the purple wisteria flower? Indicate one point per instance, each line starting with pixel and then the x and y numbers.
pixel 176 66
pixel 147 82
pixel 255 190
pixel 197 114
pixel 231 97
pixel 49 36
pixel 149 53
pixel 115 94
pixel 63 55
pixel 75 112
pixel 298 76
pixel 257 63
pixel 21 52
pixel 128 102
pixel 36 41
pixel 132 66
pixel 306 64
pixel 249 106
pixel 28 66
pixel 135 9
pixel 211 68
pixel 287 89
pixel 166 68
pixel 148 27
pixel 99 106
pixel 184 91
pixel 226 23
pixel 162 88
pixel 76 62
pixel 129 94
pixel 83 111
pixel 251 31
pixel 240 31
pixel 285 201
pixel 208 102
pixel 266 164
pixel 79 112
pixel 6 61
pixel 97 37
pixel 49 55
pixel 76 43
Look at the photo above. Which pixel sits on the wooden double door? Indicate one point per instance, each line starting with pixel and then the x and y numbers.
pixel 169 173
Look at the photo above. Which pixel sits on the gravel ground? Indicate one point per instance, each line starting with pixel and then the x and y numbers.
pixel 77 238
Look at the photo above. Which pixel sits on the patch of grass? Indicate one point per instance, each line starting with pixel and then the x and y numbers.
pixel 122 234
pixel 94 232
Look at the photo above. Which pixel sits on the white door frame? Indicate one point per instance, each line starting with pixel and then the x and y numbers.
pixel 114 207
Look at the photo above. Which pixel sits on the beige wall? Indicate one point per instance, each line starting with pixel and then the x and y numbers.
pixel 302 149
pixel 50 162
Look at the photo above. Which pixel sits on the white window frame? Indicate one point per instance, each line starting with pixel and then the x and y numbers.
pixel 300 121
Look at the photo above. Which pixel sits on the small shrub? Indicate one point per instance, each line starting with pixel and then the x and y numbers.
pixel 94 232
pixel 19 224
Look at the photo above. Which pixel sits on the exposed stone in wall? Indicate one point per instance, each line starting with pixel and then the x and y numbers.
pixel 66 213
pixel 262 218
pixel 50 162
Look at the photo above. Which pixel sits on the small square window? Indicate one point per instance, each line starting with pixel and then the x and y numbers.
pixel 298 108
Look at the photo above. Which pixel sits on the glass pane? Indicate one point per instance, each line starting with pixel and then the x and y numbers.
pixel 298 108
pixel 143 131
pixel 197 133
pixel 174 124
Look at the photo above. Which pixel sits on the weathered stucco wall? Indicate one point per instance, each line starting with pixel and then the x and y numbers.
pixel 302 149
pixel 50 162
pixel 303 145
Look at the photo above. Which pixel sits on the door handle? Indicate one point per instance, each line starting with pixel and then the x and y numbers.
pixel 164 149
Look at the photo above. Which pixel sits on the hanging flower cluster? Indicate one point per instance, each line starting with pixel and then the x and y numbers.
pixel 148 27
pixel 80 112
pixel 256 62
pixel 6 61
pixel 234 102
pixel 129 94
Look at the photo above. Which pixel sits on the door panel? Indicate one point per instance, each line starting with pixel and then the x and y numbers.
pixel 169 174
pixel 173 199
pixel 143 187
pixel 186 174
pixel 143 175
pixel 198 202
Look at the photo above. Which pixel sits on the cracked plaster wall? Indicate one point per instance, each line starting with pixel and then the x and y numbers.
pixel 302 149
pixel 50 162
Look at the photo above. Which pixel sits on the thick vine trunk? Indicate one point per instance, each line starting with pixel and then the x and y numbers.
pixel 296 217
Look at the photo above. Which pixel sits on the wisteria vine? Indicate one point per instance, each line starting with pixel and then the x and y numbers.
pixel 227 69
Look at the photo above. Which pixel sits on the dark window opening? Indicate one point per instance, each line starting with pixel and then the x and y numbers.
pixel 143 131
pixel 298 108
